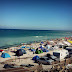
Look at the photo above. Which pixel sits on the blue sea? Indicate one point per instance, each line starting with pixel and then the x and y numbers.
pixel 11 37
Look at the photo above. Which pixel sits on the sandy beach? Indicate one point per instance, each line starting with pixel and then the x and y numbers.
pixel 27 58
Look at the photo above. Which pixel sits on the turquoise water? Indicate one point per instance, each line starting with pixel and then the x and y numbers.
pixel 10 37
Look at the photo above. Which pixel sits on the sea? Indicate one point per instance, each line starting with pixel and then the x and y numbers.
pixel 14 37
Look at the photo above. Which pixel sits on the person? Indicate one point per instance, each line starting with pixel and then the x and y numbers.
pixel 33 52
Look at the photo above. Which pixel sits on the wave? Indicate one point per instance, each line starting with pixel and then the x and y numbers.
pixel 38 36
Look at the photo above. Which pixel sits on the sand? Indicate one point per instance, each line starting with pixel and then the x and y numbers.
pixel 26 58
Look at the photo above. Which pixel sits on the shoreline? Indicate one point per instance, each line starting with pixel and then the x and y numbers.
pixel 29 42
pixel 16 45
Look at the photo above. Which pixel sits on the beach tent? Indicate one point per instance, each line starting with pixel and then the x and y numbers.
pixel 24 52
pixel 45 50
pixel 5 55
pixel 38 51
pixel 19 52
pixel 1 50
pixel 41 51
pixel 23 47
pixel 27 47
pixel 42 42
pixel 33 50
pixel 48 46
pixel 41 47
pixel 36 57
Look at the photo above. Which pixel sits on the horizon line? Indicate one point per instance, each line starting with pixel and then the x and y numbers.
pixel 33 29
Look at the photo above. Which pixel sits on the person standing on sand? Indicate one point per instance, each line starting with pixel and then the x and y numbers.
pixel 33 52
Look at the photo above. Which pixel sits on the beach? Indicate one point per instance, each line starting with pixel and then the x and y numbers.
pixel 27 58
pixel 35 35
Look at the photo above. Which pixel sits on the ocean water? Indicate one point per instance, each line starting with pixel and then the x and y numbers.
pixel 10 37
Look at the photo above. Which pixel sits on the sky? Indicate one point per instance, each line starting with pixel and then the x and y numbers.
pixel 36 14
